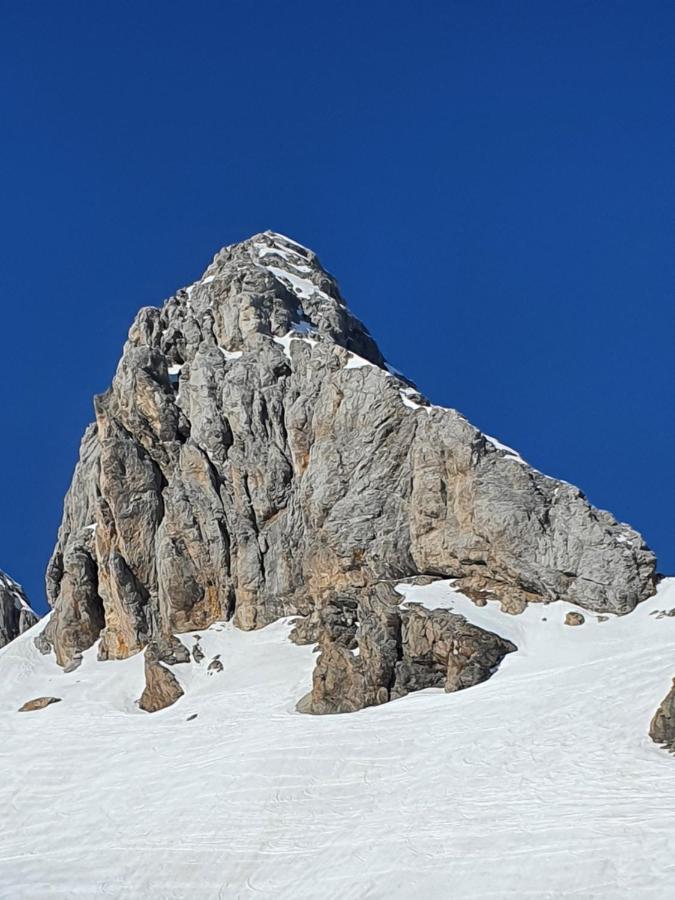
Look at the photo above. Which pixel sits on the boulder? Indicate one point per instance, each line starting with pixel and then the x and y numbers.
pixel 162 688
pixel 39 703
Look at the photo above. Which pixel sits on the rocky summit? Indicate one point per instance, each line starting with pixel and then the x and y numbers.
pixel 256 458
pixel 16 615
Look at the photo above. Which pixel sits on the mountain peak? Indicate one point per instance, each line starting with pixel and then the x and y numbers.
pixel 254 458
pixel 266 285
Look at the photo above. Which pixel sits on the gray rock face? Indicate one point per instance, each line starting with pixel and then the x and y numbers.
pixel 16 616
pixel 255 458
pixel 662 727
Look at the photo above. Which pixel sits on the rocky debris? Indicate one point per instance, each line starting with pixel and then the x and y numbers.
pixel 215 666
pixel 574 618
pixel 192 717
pixel 662 727
pixel 161 685
pixel 39 703
pixel 16 615
pixel 663 613
pixel 254 458
pixel 602 618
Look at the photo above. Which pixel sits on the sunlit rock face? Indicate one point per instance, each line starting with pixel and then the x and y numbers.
pixel 256 458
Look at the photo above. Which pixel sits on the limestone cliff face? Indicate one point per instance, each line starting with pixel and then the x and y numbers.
pixel 254 458
pixel 16 615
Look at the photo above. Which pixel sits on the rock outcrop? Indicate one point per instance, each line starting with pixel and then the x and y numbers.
pixel 255 458
pixel 662 727
pixel 162 688
pixel 394 652
pixel 39 703
pixel 16 615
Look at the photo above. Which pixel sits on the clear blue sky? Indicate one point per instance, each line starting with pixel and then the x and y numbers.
pixel 492 183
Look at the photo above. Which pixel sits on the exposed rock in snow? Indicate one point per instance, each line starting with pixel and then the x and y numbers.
pixel 442 649
pixel 16 615
pixel 162 688
pixel 376 652
pixel 39 703
pixel 662 728
pixel 215 666
pixel 283 475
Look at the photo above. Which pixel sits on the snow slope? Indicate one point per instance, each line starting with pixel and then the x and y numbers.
pixel 540 783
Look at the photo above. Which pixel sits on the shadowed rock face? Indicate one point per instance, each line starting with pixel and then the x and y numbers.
pixel 16 616
pixel 390 652
pixel 255 458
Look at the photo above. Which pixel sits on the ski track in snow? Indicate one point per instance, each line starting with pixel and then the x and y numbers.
pixel 540 783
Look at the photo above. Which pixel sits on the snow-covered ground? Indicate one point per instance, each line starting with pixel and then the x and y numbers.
pixel 540 783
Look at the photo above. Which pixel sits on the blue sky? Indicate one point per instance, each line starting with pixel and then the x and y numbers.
pixel 492 183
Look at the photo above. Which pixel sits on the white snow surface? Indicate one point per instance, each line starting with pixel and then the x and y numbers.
pixel 298 332
pixel 509 451
pixel 274 235
pixel 540 783
pixel 408 401
pixel 288 256
pixel 301 287
pixel 231 354
pixel 358 362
